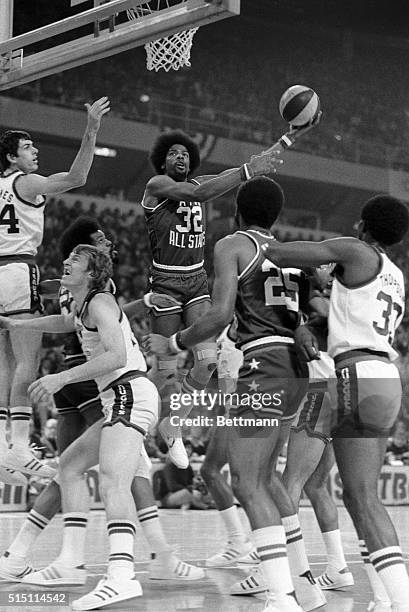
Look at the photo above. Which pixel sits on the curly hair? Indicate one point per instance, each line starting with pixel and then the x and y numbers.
pixel 79 232
pixel 99 264
pixel 259 201
pixel 386 218
pixel 9 144
pixel 163 144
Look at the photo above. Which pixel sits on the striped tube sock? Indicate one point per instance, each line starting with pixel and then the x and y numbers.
pixel 376 583
pixel 152 529
pixel 189 386
pixel 20 424
pixel 271 548
pixel 391 569
pixel 29 532
pixel 73 543
pixel 297 555
pixel 121 535
pixel 3 425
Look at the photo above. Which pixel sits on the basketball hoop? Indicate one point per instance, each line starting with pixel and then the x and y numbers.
pixel 170 52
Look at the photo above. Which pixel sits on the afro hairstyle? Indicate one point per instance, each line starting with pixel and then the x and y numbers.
pixel 386 218
pixel 79 232
pixel 259 201
pixel 165 141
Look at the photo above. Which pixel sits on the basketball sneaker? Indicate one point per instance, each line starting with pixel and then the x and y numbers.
pixel 13 568
pixel 11 477
pixel 308 592
pixel 379 606
pixel 22 458
pixel 284 604
pixel 335 580
pixel 166 566
pixel 57 575
pixel 174 442
pixel 251 585
pixel 231 553
pixel 107 592
pixel 251 558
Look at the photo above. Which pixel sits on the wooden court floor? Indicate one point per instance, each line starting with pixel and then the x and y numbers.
pixel 195 535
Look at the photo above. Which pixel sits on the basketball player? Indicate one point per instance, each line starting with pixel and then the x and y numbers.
pixel 173 205
pixel 366 306
pixel 79 407
pixel 22 202
pixel 266 301
pixel 130 404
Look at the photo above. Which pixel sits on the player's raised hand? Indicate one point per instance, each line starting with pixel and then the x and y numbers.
pixel 96 111
pixel 156 344
pixel 297 132
pixel 267 162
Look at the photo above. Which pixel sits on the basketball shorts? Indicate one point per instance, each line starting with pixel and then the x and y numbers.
pixel 271 382
pixel 134 403
pixel 187 289
pixel 369 397
pixel 318 406
pixel 78 397
pixel 19 288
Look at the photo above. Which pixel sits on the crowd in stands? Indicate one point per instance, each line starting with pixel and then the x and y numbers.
pixel 239 99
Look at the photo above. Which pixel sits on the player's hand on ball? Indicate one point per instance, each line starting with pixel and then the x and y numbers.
pixel 96 111
pixel 156 344
pixel 162 300
pixel 45 387
pixel 306 344
pixel 297 132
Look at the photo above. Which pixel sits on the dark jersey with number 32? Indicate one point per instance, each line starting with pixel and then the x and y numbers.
pixel 268 297
pixel 176 234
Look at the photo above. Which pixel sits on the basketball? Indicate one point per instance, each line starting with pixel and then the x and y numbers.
pixel 299 105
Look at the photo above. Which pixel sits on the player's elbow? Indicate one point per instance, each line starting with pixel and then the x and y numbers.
pixel 76 180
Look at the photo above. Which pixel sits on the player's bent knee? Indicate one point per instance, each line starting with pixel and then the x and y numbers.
pixel 205 356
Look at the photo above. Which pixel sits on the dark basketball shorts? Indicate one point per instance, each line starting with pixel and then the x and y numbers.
pixel 271 382
pixel 19 288
pixel 369 397
pixel 187 289
pixel 318 406
pixel 78 397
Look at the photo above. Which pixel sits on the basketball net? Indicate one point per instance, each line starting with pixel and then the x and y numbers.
pixel 169 52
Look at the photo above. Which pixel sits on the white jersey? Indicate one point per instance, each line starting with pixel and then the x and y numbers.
pixel 21 222
pixel 92 346
pixel 367 316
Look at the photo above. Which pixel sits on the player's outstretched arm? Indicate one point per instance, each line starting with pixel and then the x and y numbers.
pixel 53 324
pixel 301 253
pixel 31 185
pixel 220 313
pixel 138 308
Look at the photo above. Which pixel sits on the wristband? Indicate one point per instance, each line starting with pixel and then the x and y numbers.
pixel 147 300
pixel 175 345
pixel 246 173
pixel 285 141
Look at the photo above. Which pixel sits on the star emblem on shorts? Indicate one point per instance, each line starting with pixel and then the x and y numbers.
pixel 254 364
pixel 150 280
pixel 253 386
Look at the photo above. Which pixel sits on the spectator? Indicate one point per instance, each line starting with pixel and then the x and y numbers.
pixel 49 439
pixel 398 447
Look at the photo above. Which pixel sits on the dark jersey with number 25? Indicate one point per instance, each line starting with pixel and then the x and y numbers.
pixel 176 234
pixel 268 297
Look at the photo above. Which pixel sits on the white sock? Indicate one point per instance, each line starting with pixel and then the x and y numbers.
pixel 3 427
pixel 297 555
pixel 121 535
pixel 20 424
pixel 29 532
pixel 73 544
pixel 233 526
pixel 271 548
pixel 379 591
pixel 391 569
pixel 335 553
pixel 152 529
